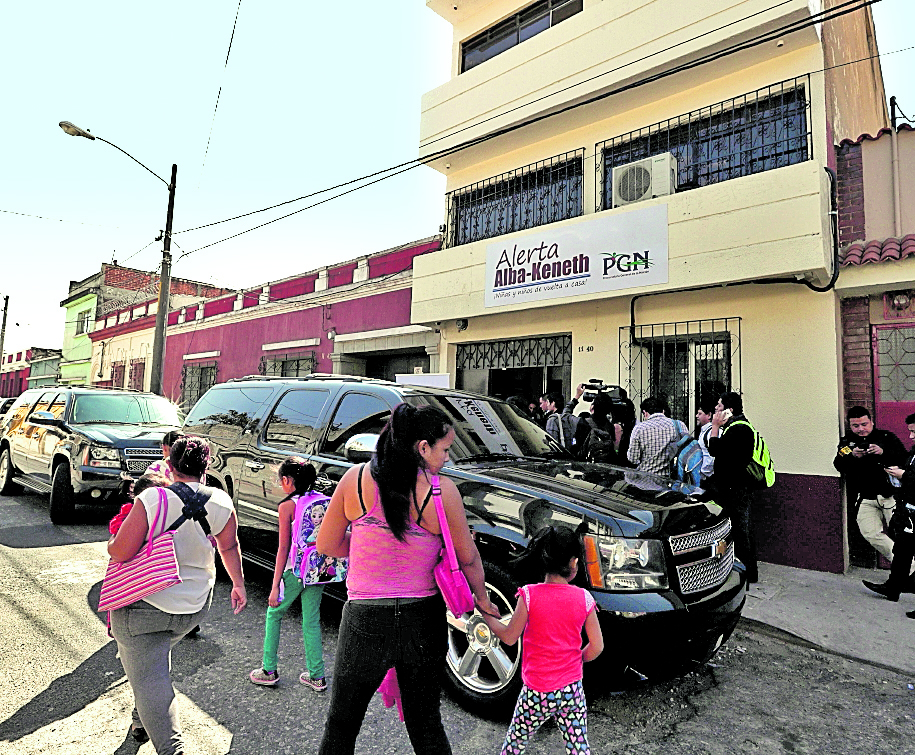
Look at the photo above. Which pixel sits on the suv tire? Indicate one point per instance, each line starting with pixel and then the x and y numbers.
pixel 485 677
pixel 63 499
pixel 7 486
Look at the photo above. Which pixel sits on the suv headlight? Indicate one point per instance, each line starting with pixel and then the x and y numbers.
pixel 618 563
pixel 104 457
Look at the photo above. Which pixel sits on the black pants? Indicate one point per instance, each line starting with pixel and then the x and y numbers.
pixel 411 637
pixel 737 503
pixel 903 552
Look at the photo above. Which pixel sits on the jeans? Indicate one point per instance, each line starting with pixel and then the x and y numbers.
pixel 412 637
pixel 311 624
pixel 873 515
pixel 737 503
pixel 145 637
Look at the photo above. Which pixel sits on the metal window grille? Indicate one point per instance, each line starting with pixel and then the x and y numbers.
pixel 196 379
pixel 137 374
pixel 544 192
pixel 755 132
pixel 545 351
pixel 681 362
pixel 516 29
pixel 82 321
pixel 288 365
pixel 117 374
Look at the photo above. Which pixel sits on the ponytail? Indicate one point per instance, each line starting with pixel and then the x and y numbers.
pixel 551 550
pixel 302 474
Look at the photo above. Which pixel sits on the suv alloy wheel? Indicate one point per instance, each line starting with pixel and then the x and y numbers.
pixel 7 487
pixel 63 499
pixel 484 674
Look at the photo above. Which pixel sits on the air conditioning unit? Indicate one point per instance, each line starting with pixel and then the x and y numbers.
pixel 644 179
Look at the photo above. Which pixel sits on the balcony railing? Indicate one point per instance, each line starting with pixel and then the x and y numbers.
pixel 754 132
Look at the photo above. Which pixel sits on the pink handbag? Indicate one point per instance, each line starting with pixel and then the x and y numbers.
pixel 448 575
pixel 153 569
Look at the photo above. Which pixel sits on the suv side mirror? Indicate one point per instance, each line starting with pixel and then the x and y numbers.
pixel 360 447
pixel 43 418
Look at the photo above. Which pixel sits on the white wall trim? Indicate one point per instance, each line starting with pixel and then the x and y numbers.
pixel 291 344
pixel 202 355
pixel 403 330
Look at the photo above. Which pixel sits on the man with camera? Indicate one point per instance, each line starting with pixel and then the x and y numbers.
pixel 863 456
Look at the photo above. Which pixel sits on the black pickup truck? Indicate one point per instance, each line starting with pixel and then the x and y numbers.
pixel 81 444
pixel 659 560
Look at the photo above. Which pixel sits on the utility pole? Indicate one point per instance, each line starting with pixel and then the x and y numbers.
pixel 6 305
pixel 165 284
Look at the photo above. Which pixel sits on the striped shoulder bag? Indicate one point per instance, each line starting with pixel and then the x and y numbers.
pixel 152 570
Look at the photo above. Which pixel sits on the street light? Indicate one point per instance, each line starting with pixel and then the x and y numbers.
pixel 165 278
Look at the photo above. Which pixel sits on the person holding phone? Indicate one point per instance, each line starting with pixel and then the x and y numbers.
pixel 862 457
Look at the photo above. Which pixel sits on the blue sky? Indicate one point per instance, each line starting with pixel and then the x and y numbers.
pixel 313 94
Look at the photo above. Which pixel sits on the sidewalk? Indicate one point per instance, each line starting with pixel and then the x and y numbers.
pixel 837 613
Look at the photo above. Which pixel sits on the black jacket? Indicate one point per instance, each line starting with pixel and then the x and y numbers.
pixel 866 477
pixel 733 452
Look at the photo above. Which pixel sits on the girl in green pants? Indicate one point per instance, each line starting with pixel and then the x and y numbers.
pixel 302 519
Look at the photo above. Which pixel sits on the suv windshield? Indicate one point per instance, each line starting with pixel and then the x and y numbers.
pixel 489 430
pixel 124 409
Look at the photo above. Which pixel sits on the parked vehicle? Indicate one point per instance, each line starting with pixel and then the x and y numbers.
pixel 81 445
pixel 658 560
pixel 5 404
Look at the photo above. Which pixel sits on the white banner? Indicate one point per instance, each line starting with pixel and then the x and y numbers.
pixel 608 253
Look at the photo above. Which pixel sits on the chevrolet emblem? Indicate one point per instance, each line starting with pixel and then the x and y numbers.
pixel 719 548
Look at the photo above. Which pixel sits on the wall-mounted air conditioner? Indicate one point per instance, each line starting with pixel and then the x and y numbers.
pixel 644 179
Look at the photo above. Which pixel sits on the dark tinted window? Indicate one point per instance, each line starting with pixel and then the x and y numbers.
pixel 293 421
pixel 357 413
pixel 226 411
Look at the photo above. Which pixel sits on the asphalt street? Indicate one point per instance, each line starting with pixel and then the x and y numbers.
pixel 64 691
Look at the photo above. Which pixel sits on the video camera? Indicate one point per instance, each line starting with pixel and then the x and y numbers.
pixel 595 386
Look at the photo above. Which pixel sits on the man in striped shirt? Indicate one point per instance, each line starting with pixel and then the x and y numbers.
pixel 654 439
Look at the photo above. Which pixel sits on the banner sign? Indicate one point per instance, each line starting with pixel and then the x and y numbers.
pixel 608 253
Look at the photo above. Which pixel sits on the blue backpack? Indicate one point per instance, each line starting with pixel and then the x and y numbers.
pixel 687 461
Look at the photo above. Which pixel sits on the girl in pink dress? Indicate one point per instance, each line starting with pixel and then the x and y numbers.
pixel 161 465
pixel 551 616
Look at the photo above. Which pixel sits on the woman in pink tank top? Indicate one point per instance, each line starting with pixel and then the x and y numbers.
pixel 379 517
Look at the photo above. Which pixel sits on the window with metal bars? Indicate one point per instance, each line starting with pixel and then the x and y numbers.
pixel 196 379
pixel 288 365
pixel 137 374
pixel 537 194
pixel 681 362
pixel 117 374
pixel 752 133
pixel 542 351
pixel 516 29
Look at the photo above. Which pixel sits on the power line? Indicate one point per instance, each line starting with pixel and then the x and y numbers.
pixel 418 161
pixel 58 220
pixel 219 93
pixel 818 18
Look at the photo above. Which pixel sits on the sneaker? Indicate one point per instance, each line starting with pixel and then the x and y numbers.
pixel 318 685
pixel 266 678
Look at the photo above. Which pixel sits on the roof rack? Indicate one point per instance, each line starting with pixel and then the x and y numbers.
pixel 88 385
pixel 313 376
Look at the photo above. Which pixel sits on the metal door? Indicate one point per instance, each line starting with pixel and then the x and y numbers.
pixel 894 377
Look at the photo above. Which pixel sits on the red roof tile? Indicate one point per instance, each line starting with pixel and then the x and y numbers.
pixel 881 132
pixel 887 250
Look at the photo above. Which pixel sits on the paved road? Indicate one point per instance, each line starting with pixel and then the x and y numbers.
pixel 64 691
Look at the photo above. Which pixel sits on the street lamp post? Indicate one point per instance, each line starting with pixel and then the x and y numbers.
pixel 165 277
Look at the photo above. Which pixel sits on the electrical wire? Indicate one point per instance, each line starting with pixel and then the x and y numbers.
pixel 821 17
pixel 219 93
pixel 58 220
pixel 790 27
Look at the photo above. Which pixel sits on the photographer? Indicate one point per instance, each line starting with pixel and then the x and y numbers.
pixel 599 438
pixel 862 458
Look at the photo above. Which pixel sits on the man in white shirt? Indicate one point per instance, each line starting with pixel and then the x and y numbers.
pixel 704 418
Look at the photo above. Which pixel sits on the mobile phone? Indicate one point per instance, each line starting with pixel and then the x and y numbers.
pixel 727 414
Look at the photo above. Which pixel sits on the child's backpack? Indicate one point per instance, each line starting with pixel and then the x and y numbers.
pixel 686 464
pixel 599 446
pixel 312 567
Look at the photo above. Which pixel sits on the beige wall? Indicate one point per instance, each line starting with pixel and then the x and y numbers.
pixel 877 160
pixel 123 348
pixel 854 93
pixel 788 356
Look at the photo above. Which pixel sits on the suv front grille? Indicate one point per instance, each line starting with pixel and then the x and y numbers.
pixel 693 540
pixel 705 574
pixel 137 465
pixel 147 453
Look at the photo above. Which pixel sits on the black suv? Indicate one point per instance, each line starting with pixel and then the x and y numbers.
pixel 81 445
pixel 658 560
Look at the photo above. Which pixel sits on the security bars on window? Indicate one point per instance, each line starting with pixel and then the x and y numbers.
pixel 681 362
pixel 546 351
pixel 287 365
pixel 752 133
pixel 196 379
pixel 544 192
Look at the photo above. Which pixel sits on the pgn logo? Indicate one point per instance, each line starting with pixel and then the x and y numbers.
pixel 619 262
